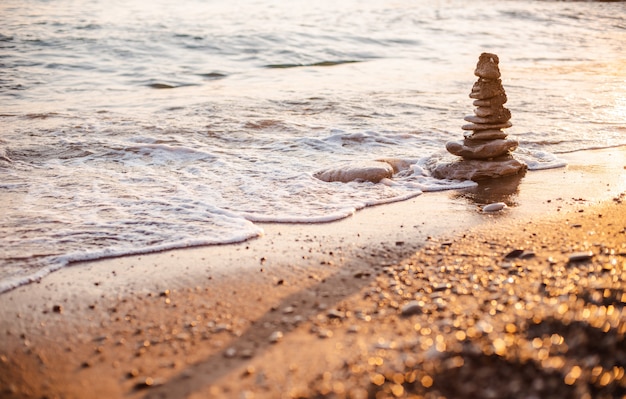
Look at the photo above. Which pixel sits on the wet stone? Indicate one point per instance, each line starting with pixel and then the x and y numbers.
pixel 500 115
pixel 491 134
pixel 481 149
pixel 477 127
pixel 493 102
pixel 372 171
pixel 468 169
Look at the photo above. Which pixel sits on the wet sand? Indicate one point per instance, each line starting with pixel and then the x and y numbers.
pixel 428 297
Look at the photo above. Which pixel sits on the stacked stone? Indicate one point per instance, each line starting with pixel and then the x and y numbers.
pixel 487 139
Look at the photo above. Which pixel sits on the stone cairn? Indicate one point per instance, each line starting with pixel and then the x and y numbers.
pixel 485 151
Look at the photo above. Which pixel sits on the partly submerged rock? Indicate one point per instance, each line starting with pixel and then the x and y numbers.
pixel 373 171
pixel 468 169
pixel 481 149
pixel 398 164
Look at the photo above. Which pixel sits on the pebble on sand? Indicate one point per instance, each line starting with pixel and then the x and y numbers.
pixel 580 256
pixel 276 336
pixel 412 308
pixel 496 206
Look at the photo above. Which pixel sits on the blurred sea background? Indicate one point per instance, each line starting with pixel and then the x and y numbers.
pixel 135 126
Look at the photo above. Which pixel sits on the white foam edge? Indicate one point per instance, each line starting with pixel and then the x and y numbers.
pixel 539 160
pixel 60 262
pixel 338 215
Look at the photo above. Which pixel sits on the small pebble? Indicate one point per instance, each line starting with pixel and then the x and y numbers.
pixel 230 353
pixel 324 333
pixel 412 308
pixel 580 256
pixel 145 383
pixel 335 314
pixel 496 206
pixel 276 337
pixel 353 329
pixel 514 254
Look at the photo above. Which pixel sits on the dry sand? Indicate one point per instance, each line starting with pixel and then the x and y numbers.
pixel 411 299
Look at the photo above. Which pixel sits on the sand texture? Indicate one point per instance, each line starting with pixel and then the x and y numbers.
pixel 426 298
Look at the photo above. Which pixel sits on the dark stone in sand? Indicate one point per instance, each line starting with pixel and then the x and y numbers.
pixel 481 149
pixel 412 308
pixel 580 257
pixel 514 254
pixel 486 135
pixel 493 102
pixel 464 169
pixel 487 66
pixel 373 171
pixel 476 127
pixel 484 89
pixel 501 115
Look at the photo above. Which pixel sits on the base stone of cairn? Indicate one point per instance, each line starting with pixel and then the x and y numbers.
pixel 474 169
pixel 485 151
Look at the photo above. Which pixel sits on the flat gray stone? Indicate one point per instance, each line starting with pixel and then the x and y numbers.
pixel 476 127
pixel 476 170
pixel 481 149
pixel 491 102
pixel 500 115
pixel 373 171
pixel 486 135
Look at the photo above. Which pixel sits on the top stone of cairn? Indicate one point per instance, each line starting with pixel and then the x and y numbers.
pixel 487 67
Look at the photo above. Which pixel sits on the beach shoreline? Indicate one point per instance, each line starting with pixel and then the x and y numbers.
pixel 272 316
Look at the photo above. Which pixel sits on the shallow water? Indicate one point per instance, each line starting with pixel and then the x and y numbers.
pixel 136 126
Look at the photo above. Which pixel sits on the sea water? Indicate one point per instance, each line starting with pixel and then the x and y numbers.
pixel 135 126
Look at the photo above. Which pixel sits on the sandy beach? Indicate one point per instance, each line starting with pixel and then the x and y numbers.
pixel 429 297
